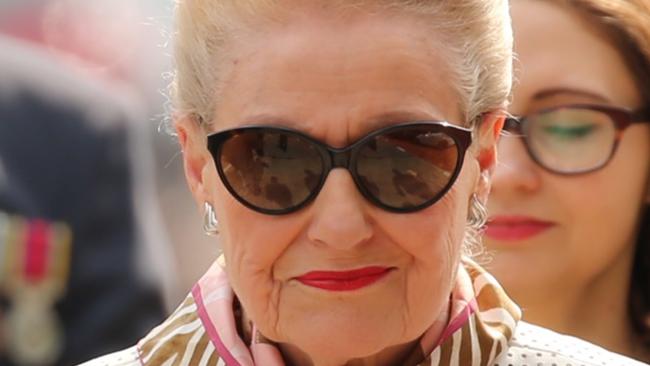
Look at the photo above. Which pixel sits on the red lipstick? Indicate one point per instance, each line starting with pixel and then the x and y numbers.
pixel 344 280
pixel 512 228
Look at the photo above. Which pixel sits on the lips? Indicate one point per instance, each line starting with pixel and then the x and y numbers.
pixel 344 280
pixel 515 228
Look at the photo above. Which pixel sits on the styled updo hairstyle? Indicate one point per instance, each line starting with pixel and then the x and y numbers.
pixel 626 23
pixel 475 37
pixel 477 34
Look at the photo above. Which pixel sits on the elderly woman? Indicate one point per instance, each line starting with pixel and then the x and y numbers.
pixel 342 151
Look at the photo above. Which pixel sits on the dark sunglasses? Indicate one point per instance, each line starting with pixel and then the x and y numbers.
pixel 401 168
pixel 574 139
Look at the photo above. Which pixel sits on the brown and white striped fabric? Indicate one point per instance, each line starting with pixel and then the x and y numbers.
pixel 484 330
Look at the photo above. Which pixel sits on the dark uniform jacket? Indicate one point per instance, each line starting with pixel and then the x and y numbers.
pixel 64 159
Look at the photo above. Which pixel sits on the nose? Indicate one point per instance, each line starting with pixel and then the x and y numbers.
pixel 340 218
pixel 515 170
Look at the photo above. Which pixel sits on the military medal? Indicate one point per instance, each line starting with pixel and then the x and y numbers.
pixel 35 336
pixel 34 280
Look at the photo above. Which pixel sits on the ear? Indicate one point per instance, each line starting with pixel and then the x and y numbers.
pixel 196 157
pixel 489 132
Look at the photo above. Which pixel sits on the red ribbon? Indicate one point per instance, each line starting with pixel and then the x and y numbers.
pixel 37 251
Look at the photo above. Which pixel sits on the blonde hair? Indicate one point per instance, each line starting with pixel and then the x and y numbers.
pixel 476 33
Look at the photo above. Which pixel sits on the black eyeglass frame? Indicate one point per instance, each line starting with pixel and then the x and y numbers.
pixel 346 158
pixel 622 118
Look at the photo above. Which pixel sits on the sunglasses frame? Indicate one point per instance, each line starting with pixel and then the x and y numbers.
pixel 622 118
pixel 346 158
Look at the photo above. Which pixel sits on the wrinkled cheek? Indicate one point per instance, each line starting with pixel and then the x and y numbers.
pixel 249 274
pixel 440 243
pixel 249 250
pixel 258 294
pixel 253 247
pixel 426 297
pixel 432 278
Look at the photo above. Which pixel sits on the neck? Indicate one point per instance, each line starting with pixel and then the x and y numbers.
pixel 596 311
pixel 387 357
pixel 393 355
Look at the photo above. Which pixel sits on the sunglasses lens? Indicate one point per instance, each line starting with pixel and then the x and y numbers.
pixel 407 168
pixel 272 171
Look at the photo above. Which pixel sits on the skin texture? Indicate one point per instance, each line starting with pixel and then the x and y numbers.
pixel 574 277
pixel 366 73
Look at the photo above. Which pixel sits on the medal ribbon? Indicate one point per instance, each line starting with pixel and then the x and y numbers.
pixel 33 253
pixel 34 269
pixel 37 251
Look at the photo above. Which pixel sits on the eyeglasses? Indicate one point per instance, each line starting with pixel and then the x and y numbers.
pixel 401 168
pixel 574 139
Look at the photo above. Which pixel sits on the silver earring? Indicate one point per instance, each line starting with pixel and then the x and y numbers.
pixel 210 222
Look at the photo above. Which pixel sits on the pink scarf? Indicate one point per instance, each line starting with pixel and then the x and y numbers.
pixel 203 330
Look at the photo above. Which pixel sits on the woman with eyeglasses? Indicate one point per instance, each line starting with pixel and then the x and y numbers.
pixel 569 220
pixel 341 151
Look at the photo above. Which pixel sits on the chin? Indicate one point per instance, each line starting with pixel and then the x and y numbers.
pixel 344 334
pixel 346 345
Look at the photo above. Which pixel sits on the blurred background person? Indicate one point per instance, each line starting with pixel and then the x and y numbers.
pixel 124 43
pixel 78 263
pixel 569 206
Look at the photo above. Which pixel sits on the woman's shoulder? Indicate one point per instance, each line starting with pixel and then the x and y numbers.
pixel 179 340
pixel 534 345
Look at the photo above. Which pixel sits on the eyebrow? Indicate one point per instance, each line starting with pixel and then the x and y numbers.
pixel 395 117
pixel 371 124
pixel 272 120
pixel 553 92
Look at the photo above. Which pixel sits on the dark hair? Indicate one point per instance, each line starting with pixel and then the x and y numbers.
pixel 639 305
pixel 626 24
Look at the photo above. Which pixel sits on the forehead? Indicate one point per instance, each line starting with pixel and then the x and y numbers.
pixel 321 73
pixel 558 48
